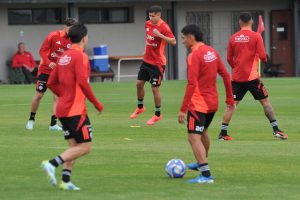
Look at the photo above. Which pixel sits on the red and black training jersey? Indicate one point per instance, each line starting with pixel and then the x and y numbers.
pixel 26 58
pixel 244 50
pixel 52 48
pixel 204 64
pixel 155 46
pixel 70 82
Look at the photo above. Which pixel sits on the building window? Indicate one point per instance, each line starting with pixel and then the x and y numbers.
pixel 106 15
pixel 235 16
pixel 204 21
pixel 29 16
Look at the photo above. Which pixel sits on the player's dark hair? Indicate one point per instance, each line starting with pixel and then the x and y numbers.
pixel 155 9
pixel 77 32
pixel 20 43
pixel 193 29
pixel 245 17
pixel 70 22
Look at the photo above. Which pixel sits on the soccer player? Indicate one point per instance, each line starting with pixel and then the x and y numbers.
pixel 244 49
pixel 70 82
pixel 158 33
pixel 201 98
pixel 52 48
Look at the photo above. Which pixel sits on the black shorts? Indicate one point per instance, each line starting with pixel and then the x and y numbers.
pixel 41 84
pixel 256 87
pixel 77 127
pixel 198 121
pixel 151 73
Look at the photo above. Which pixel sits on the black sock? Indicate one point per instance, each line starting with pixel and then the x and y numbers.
pixel 32 116
pixel 53 120
pixel 56 161
pixel 157 111
pixel 274 125
pixel 205 171
pixel 66 175
pixel 224 128
pixel 140 103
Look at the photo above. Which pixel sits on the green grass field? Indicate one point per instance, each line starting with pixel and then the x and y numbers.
pixel 253 166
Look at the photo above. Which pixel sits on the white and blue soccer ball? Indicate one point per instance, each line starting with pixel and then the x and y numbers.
pixel 175 168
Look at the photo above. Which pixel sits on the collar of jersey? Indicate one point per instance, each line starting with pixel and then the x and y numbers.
pixel 62 33
pixel 76 47
pixel 196 46
pixel 246 28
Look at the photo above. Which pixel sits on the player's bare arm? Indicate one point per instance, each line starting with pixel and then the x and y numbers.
pixel 169 40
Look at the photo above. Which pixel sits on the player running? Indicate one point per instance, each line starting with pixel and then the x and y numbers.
pixel 70 82
pixel 52 48
pixel 201 98
pixel 244 50
pixel 158 33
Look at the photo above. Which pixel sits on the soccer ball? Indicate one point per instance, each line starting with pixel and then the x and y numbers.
pixel 175 168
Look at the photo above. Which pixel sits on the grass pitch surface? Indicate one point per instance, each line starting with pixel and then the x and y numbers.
pixel 128 161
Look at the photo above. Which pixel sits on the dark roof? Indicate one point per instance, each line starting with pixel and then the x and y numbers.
pixel 89 1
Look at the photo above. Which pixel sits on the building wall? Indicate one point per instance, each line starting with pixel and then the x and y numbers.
pixel 122 39
pixel 221 11
pixel 128 39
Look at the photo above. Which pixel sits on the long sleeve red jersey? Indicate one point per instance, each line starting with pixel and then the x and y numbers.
pixel 70 82
pixel 201 93
pixel 155 46
pixel 52 48
pixel 244 50
pixel 26 58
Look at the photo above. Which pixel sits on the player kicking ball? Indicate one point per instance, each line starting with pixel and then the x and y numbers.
pixel 158 33
pixel 201 97
pixel 70 82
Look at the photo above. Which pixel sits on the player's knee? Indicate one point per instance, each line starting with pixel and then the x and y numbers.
pixel 139 84
pixel 39 96
pixel 86 148
pixel 265 102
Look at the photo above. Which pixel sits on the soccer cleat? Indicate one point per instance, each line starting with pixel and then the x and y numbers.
pixel 225 137
pixel 280 134
pixel 68 186
pixel 154 119
pixel 201 179
pixel 193 166
pixel 29 125
pixel 49 169
pixel 55 128
pixel 137 112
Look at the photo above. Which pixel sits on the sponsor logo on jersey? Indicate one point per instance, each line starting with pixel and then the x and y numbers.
pixel 58 42
pixel 241 38
pixel 151 44
pixel 149 37
pixel 210 56
pixel 65 60
pixel 69 46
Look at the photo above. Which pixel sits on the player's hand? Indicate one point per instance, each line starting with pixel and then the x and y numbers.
pixel 181 117
pixel 27 67
pixel 52 65
pixel 156 32
pixel 230 107
pixel 99 106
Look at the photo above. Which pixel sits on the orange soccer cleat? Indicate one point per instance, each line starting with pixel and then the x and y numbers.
pixel 137 112
pixel 154 119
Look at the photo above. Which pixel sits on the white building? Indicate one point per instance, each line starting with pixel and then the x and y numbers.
pixel 120 25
